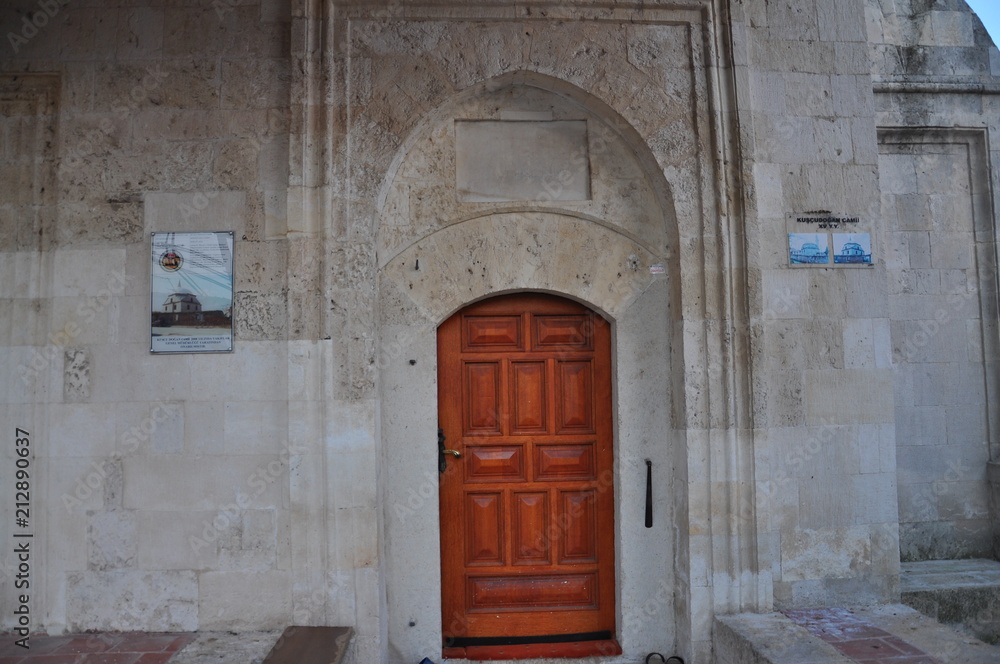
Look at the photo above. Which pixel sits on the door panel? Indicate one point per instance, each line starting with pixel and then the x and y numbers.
pixel 528 397
pixel 565 462
pixel 579 534
pixel 575 397
pixel 527 510
pixel 485 464
pixel 484 514
pixel 482 398
pixel 531 518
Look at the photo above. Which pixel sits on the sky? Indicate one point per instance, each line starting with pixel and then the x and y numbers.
pixel 989 12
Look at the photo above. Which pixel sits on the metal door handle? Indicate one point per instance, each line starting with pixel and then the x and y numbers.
pixel 442 452
pixel 649 495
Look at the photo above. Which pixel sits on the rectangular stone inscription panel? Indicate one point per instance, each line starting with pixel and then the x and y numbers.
pixel 521 161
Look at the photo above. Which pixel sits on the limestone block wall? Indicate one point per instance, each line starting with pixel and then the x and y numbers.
pixel 825 443
pixel 928 42
pixel 937 330
pixel 801 429
pixel 163 488
pixel 936 73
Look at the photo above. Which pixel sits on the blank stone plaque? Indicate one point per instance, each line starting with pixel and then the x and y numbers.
pixel 522 161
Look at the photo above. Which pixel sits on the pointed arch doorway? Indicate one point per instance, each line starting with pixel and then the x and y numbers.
pixel 526 495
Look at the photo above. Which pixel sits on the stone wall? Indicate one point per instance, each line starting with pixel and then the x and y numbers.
pixel 160 493
pixel 824 451
pixel 928 181
pixel 805 424
pixel 935 71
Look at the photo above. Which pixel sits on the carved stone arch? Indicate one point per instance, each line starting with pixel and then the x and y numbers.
pixel 606 270
pixel 650 221
pixel 588 104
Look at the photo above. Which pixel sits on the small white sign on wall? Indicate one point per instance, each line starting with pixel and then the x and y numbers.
pixel 813 240
pixel 191 292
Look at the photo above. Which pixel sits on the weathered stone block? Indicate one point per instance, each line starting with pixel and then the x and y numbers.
pixel 942 540
pixel 231 600
pixel 859 344
pixel 840 22
pixel 958 383
pixel 111 540
pixel 952 251
pixel 260 317
pixel 255 83
pixel 76 384
pixel 921 426
pixel 130 86
pixel 897 174
pixel 788 20
pixel 235 166
pixel 859 590
pixel 21 320
pixel 81 430
pixel 88 272
pixel 158 382
pixel 208 483
pixel 862 396
pixel 144 27
pixel 256 427
pixel 181 540
pixel 260 267
pixel 834 140
pixel 132 600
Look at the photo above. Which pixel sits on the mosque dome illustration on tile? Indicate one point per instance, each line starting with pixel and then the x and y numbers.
pixel 809 252
pixel 852 252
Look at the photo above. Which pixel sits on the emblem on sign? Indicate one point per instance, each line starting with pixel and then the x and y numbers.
pixel 171 261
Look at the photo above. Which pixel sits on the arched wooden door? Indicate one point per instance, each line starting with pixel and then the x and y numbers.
pixel 527 509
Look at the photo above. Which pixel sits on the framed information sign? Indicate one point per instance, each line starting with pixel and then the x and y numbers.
pixel 814 241
pixel 191 287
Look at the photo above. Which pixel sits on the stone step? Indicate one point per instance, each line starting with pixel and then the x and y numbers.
pixel 961 593
pixel 310 645
pixel 769 638
pixel 893 633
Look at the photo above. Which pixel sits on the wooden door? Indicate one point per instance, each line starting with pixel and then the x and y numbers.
pixel 527 510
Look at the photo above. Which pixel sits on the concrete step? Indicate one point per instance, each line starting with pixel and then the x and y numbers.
pixel 226 648
pixel 892 633
pixel 310 645
pixel 769 638
pixel 962 593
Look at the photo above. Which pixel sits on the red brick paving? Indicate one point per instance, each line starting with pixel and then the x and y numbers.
pixel 155 658
pixel 858 639
pixel 100 648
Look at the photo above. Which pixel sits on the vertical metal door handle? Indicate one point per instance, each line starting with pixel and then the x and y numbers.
pixel 442 452
pixel 649 493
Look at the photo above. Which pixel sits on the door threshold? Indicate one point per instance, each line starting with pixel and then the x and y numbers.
pixel 569 649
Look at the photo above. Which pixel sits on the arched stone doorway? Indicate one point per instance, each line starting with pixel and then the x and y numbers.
pixel 608 250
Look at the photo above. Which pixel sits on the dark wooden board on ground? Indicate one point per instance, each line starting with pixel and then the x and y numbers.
pixel 310 645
